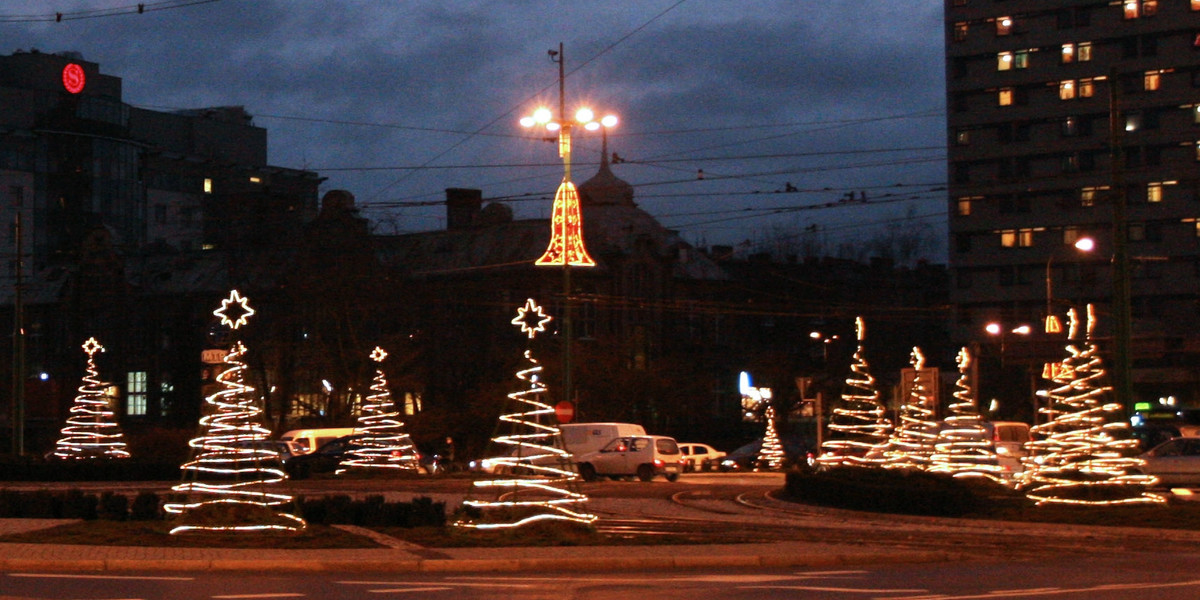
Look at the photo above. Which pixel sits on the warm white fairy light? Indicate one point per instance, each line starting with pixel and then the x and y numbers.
pixel 537 480
pixel 1081 457
pixel 91 431
pixel 859 423
pixel 962 447
pixel 383 443
pixel 234 474
pixel 770 454
pixel 911 445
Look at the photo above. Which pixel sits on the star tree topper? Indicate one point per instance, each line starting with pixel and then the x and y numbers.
pixel 378 354
pixel 531 319
pixel 242 311
pixel 91 346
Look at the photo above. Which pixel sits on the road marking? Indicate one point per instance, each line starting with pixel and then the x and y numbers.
pixel 411 590
pixel 73 576
pixel 1069 591
pixel 275 595
pixel 817 588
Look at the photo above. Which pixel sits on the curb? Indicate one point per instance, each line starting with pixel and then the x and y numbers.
pixel 604 563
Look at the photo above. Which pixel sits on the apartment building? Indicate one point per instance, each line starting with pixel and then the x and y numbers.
pixel 1071 119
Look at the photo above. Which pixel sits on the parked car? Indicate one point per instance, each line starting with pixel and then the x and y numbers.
pixel 308 440
pixel 325 459
pixel 1176 462
pixel 700 457
pixel 644 456
pixel 745 458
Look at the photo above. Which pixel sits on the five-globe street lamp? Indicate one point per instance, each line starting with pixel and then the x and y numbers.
pixel 566 247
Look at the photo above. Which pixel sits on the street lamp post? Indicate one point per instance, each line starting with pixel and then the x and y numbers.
pixel 1001 331
pixel 1053 325
pixel 566 248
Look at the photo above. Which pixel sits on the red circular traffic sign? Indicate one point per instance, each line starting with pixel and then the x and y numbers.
pixel 564 411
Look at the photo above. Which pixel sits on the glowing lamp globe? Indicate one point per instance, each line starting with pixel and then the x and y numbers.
pixel 609 120
pixel 585 115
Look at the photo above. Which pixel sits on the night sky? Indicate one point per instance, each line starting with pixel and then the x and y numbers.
pixel 397 100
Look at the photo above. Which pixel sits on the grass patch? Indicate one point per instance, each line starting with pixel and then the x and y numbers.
pixel 156 534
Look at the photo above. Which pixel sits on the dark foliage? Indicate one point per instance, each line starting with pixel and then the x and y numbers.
pixel 886 490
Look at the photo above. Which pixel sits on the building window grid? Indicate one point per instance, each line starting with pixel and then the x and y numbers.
pixel 135 393
pixel 1016 238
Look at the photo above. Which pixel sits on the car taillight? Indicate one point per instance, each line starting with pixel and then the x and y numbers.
pixel 659 462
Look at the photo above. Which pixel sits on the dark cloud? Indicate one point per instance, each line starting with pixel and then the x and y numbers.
pixel 705 82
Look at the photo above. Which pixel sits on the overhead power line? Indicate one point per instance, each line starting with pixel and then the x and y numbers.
pixel 98 13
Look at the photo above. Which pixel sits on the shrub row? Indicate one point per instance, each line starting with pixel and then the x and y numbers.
pixel 885 490
pixel 371 511
pixel 127 469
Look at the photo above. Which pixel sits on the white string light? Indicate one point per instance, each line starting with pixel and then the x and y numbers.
pixel 538 480
pixel 240 472
pixel 91 431
pixel 859 423
pixel 383 443
pixel 962 447
pixel 770 455
pixel 911 445
pixel 1080 456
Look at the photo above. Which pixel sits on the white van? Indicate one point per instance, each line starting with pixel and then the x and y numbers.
pixel 581 438
pixel 578 439
pixel 306 441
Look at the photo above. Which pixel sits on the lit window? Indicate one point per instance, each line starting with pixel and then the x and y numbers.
pixel 254 179
pixel 1195 4
pixel 1021 59
pixel 962 137
pixel 1068 53
pixel 207 185
pixel 1196 114
pixel 1004 61
pixel 960 32
pixel 964 206
pixel 1016 238
pixel 1149 7
pixel 1066 89
pixel 1071 234
pixel 1087 87
pixel 135 393
pixel 1133 122
pixel 1131 9
pixel 1151 81
pixel 1084 51
pixel 1154 192
pixel 1088 195
pixel 1004 25
pixel 1006 96
pixel 1070 126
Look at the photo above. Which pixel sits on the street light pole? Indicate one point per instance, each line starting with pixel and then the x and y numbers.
pixel 1053 325
pixel 566 248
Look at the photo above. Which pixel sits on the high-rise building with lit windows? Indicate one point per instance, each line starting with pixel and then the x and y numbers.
pixel 1070 119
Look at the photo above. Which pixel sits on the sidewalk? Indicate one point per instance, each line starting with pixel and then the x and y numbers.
pixel 78 558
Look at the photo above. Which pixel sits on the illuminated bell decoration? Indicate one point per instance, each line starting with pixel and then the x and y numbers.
pixel 535 478
pixel 91 430
pixel 566 231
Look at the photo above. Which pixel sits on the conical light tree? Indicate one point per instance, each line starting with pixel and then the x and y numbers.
pixel 859 422
pixel 962 447
pixel 232 483
pixel 1081 457
pixel 536 479
pixel 384 443
pixel 911 445
pixel 91 430
pixel 770 454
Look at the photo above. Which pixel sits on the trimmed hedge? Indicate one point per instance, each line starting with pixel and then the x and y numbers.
pixel 123 469
pixel 901 491
pixel 371 511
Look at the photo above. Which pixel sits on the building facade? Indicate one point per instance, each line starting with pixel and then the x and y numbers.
pixel 1070 119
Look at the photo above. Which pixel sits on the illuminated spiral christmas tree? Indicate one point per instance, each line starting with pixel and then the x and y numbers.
pixel 1081 456
pixel 963 447
pixel 384 443
pixel 770 455
pixel 911 445
pixel 859 423
pixel 91 431
pixel 234 476
pixel 536 480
